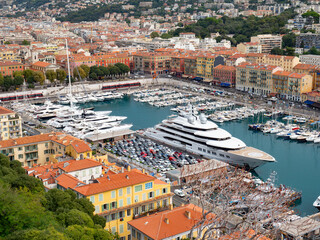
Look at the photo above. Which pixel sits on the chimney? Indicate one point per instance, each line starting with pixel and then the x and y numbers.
pixel 188 214
pixel 171 206
pixel 143 171
pixel 122 169
pixel 14 142
pixel 108 177
pixel 127 176
pixel 166 220
pixel 129 168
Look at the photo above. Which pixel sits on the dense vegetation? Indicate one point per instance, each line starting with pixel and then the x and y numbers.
pixel 31 4
pixel 241 28
pixel 28 212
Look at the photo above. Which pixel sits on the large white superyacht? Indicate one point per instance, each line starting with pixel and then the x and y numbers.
pixel 195 134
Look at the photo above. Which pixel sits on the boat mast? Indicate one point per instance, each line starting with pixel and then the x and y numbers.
pixel 70 89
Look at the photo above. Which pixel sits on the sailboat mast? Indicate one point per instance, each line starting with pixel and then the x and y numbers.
pixel 69 76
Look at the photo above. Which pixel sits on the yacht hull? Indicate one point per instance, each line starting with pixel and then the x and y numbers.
pixel 206 151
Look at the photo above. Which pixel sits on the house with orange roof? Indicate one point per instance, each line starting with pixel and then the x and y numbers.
pixel 44 148
pixel 7 68
pixel 121 197
pixel 176 223
pixel 255 78
pixel 285 62
pixel 43 66
pixel 313 70
pixel 291 85
pixel 10 124
pixel 224 75
pixel 206 63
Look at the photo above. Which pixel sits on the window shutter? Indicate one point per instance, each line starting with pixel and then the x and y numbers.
pixel 107 206
pixel 116 204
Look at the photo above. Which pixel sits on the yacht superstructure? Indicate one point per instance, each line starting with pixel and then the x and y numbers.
pixel 195 134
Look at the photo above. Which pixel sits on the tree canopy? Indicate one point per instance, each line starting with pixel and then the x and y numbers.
pixel 28 212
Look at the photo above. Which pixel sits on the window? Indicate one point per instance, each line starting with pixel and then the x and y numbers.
pixel 47 159
pixel 133 232
pixel 92 199
pixel 136 211
pixel 138 235
pixel 164 190
pixel 136 198
pixel 113 216
pixel 100 197
pixel 120 192
pixel 138 188
pixel 150 206
pixel 164 203
pixel 113 205
pixel 121 214
pixel 128 190
pixel 20 156
pixel 128 212
pixel 121 203
pixel 128 200
pixel 97 209
pixel 148 185
pixel 221 155
pixel 144 197
pixel 113 229
pixel 20 149
pixel 113 194
pixel 143 208
pixel 158 204
pixel 151 194
pixel 129 237
pixel 105 207
pixel 157 192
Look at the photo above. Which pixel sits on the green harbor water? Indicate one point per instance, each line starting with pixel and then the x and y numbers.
pixel 297 166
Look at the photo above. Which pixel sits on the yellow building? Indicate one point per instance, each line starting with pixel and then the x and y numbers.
pixel 44 148
pixel 124 196
pixel 206 64
pixel 290 85
pixel 255 78
pixel 177 223
pixel 9 55
pixel 10 124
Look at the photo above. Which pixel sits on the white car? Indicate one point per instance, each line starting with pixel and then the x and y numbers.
pixel 179 192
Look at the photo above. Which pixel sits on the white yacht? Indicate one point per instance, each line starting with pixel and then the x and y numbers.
pixel 197 135
pixel 107 128
pixel 316 203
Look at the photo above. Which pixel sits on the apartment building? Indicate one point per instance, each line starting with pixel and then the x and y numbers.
pixel 173 224
pixel 206 63
pixel 308 40
pixel 255 78
pixel 290 85
pixel 313 70
pixel 107 59
pixel 249 47
pixel 44 148
pixel 7 68
pixel 121 197
pixel 224 76
pixel 10 124
pixel 190 66
pixel 177 65
pixel 310 59
pixel 9 55
pixel 152 63
pixel 267 42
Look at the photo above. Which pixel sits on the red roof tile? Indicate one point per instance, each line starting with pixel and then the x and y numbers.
pixel 5 111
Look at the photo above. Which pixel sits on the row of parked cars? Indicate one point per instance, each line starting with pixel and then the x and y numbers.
pixel 151 154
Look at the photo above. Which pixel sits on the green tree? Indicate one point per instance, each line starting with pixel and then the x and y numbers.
pixel 39 77
pixel 17 73
pixel 289 40
pixel 277 51
pixel 7 82
pixel 51 75
pixel 313 14
pixel 76 217
pixel 7 42
pixel 18 80
pixel 1 79
pixel 93 76
pixel 25 42
pixel 27 74
pixel 154 35
pixel 79 73
pixel 86 69
pixel 61 75
pixel 166 36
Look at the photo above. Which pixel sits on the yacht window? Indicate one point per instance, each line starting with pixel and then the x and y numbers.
pixel 200 149
pixel 221 155
pixel 214 153
pixel 227 156
pixel 209 151
pixel 204 150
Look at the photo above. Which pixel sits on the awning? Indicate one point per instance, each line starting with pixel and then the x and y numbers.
pixel 225 84
pixel 308 102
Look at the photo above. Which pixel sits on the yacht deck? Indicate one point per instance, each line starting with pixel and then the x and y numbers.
pixel 253 153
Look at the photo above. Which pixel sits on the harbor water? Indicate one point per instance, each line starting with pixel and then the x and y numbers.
pixel 297 166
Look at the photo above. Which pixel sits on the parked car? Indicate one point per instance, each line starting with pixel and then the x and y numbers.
pixel 179 192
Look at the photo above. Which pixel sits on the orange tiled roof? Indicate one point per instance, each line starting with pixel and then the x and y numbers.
pixel 9 63
pixel 302 66
pixel 115 181
pixel 256 66
pixel 68 181
pixel 224 67
pixel 157 227
pixel 61 138
pixel 289 74
pixel 5 111
pixel 79 165
pixel 41 64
